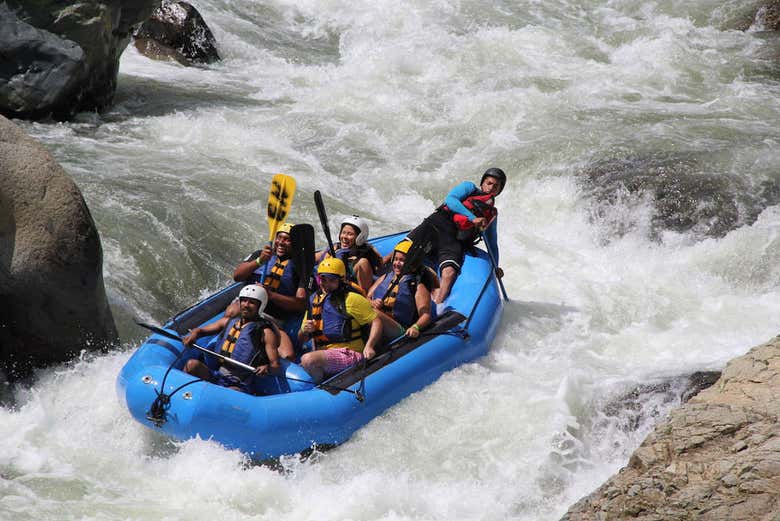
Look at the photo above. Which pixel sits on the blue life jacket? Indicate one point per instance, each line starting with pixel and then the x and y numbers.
pixel 280 276
pixel 400 300
pixel 242 343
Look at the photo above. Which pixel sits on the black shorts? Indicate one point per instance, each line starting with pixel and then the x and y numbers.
pixel 446 249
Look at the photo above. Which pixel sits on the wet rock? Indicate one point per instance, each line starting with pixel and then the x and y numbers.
pixel 52 299
pixel 649 401
pixel 177 31
pixel 752 16
pixel 65 54
pixel 717 457
pixel 767 17
pixel 682 197
pixel 699 381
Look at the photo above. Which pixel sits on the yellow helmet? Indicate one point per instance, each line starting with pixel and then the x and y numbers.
pixel 285 228
pixel 332 266
pixel 403 246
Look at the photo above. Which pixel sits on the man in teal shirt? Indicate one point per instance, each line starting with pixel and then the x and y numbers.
pixel 468 212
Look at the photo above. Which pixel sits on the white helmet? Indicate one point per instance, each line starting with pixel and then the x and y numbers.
pixel 256 292
pixel 361 225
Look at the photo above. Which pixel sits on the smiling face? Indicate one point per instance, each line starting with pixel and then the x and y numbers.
pixel 348 235
pixel 398 262
pixel 249 307
pixel 283 244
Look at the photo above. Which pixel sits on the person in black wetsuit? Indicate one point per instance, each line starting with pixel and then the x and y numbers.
pixel 468 212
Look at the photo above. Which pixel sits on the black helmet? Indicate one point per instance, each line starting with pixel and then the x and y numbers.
pixel 496 173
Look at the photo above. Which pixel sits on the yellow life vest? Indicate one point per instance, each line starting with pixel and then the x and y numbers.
pixel 274 278
pixel 230 340
pixel 388 301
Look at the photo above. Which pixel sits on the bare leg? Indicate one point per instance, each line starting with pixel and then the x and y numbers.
pixel 314 363
pixel 390 328
pixel 448 276
pixel 197 368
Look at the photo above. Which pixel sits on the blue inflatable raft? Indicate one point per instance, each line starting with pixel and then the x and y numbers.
pixel 298 416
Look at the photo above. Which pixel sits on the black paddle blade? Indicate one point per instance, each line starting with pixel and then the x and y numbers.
pixel 159 330
pixel 302 236
pixel 323 220
pixel 416 254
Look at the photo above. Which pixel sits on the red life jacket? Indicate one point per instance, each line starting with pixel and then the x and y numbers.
pixel 480 204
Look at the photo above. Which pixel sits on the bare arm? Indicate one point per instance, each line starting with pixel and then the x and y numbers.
pixel 214 327
pixel 375 303
pixel 289 303
pixel 422 299
pixel 244 270
pixel 271 341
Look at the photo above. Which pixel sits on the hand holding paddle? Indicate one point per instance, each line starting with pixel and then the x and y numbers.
pixel 499 273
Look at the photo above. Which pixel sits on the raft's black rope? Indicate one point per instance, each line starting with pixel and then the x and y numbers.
pixel 360 393
pixel 156 412
pixel 160 404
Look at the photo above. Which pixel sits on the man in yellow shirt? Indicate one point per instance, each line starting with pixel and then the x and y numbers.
pixel 334 322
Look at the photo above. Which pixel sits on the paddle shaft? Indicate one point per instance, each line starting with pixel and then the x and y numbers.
pixel 324 221
pixel 495 266
pixel 236 363
pixel 252 369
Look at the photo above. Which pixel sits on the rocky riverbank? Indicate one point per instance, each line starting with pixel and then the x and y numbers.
pixel 715 458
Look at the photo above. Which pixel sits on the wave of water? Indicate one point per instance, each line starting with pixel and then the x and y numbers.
pixel 383 108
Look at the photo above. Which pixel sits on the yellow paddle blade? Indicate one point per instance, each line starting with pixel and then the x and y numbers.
pixel 280 199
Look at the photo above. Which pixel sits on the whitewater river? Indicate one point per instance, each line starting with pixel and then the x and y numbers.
pixel 383 106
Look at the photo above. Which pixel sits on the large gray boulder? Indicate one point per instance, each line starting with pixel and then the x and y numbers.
pixel 716 458
pixel 176 31
pixel 60 58
pixel 52 299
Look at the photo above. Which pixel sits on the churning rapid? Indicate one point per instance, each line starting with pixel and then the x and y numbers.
pixel 383 107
